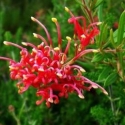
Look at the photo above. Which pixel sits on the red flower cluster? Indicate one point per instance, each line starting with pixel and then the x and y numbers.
pixel 84 33
pixel 49 70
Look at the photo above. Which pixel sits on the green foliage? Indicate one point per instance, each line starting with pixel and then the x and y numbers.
pixel 102 115
pixel 104 74
pixel 98 57
pixel 111 79
pixel 121 28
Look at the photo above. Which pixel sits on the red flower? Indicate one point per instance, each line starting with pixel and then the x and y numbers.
pixel 84 33
pixel 49 70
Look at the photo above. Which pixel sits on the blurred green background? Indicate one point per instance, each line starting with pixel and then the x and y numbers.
pixel 16 26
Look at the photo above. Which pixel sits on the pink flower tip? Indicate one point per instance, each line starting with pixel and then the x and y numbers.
pixel 105 92
pixel 6 42
pixel 81 96
pixel 33 19
pixel 66 9
pixel 35 35
pixel 50 100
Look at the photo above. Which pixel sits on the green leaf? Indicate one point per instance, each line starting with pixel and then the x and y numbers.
pixel 18 34
pixel 123 5
pixel 103 35
pixel 121 28
pixel 98 3
pixel 86 65
pixel 112 38
pixel 98 57
pixel 100 9
pixel 120 40
pixel 92 4
pixel 111 79
pixel 104 74
pixel 115 35
pixel 8 36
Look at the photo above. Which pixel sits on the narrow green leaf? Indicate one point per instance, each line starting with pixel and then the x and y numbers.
pixel 123 5
pixel 18 34
pixel 115 35
pixel 8 36
pixel 100 8
pixel 104 74
pixel 92 4
pixel 98 3
pixel 86 65
pixel 98 57
pixel 120 37
pixel 121 28
pixel 104 35
pixel 112 38
pixel 111 79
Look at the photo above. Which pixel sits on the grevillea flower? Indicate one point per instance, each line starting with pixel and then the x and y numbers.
pixel 49 70
pixel 84 33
